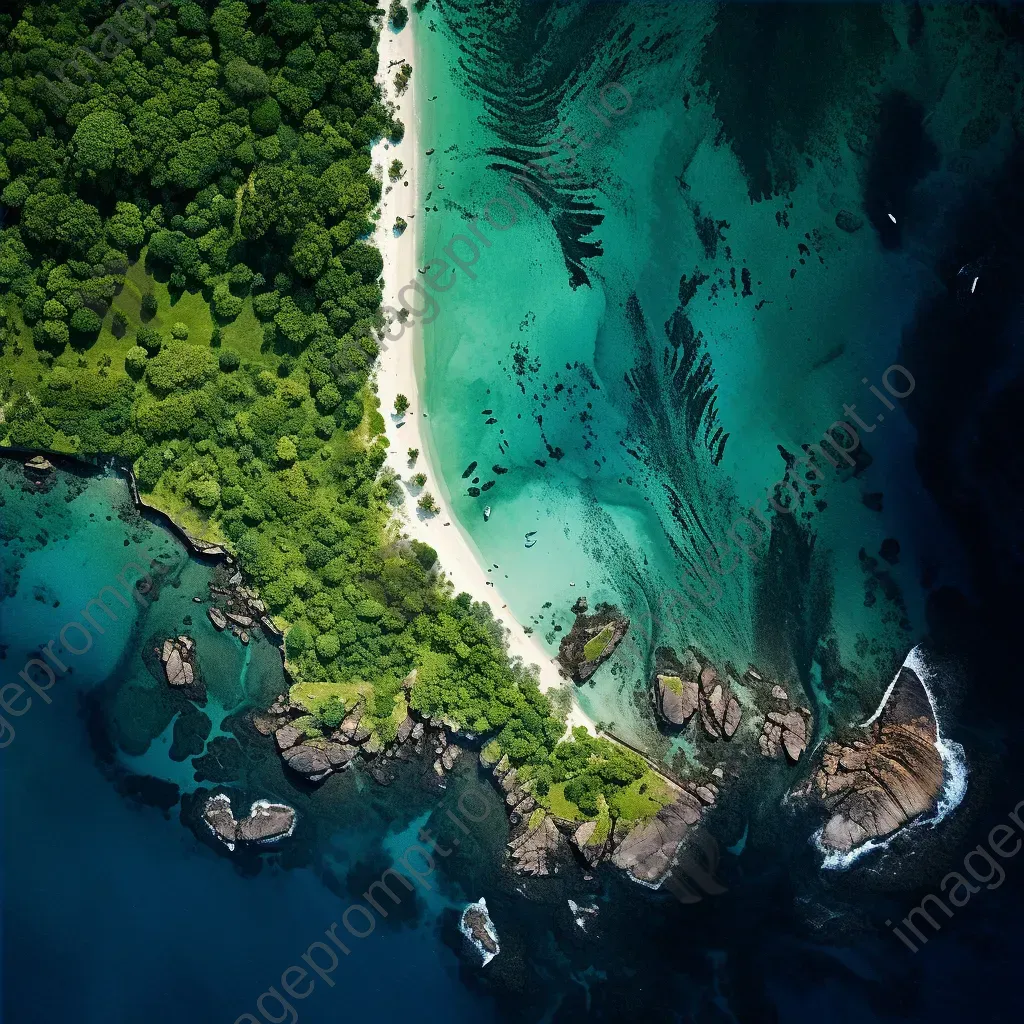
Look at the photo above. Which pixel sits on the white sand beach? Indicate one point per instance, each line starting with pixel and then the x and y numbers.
pixel 396 373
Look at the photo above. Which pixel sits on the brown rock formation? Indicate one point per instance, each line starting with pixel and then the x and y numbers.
pixel 536 851
pixel 646 852
pixel 675 686
pixel 889 775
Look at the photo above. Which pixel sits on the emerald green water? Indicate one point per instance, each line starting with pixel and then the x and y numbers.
pixel 614 325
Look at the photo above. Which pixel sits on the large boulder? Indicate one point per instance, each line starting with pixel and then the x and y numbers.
pixel 178 657
pixel 536 849
pixel 308 760
pixel 647 850
pixel 675 686
pixel 876 782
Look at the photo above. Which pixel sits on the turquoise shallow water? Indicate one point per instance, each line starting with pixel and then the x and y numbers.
pixel 678 313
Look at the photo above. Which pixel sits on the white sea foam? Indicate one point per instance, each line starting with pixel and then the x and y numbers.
pixel 954 773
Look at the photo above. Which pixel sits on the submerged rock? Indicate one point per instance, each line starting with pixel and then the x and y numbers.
pixel 591 641
pixel 892 773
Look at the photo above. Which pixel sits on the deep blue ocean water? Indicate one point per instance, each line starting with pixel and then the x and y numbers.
pixel 117 907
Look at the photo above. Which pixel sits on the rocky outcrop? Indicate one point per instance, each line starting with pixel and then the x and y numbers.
pixel 477 926
pixel 536 849
pixel 591 641
pixel 675 687
pixel 266 823
pixel 39 465
pixel 237 607
pixel 646 852
pixel 178 662
pixel 719 710
pixel 786 729
pixel 876 782
pixel 178 657
pixel 591 844
pixel 687 683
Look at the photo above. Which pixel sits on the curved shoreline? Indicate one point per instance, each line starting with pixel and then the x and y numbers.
pixel 400 369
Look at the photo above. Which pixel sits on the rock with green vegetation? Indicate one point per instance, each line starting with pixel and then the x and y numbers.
pixel 398 15
pixel 675 686
pixel 591 641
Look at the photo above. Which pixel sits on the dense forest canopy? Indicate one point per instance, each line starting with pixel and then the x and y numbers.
pixel 186 282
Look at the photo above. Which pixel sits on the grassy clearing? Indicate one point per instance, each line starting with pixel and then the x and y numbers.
pixel 559 806
pixel 674 683
pixel 311 696
pixel 595 647
pixel 643 798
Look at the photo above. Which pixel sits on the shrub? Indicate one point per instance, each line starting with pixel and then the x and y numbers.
pixel 419 479
pixel 401 405
pixel 119 323
pixel 402 78
pixel 135 361
pixel 328 646
pixel 328 398
pixel 86 321
pixel 428 503
pixel 179 330
pixel 332 710
pixel 298 640
pixel 286 450
pixel 414 454
pixel 400 225
pixel 395 171
pixel 229 360
pixel 150 339
pixel 148 306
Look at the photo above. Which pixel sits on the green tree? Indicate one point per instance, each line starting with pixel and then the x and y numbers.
pixel 398 14
pixel 102 146
pixel 125 228
pixel 229 360
pixel 135 361
pixel 401 405
pixel 286 450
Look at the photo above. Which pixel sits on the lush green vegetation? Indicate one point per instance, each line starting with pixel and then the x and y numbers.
pixel 186 283
pixel 595 647
pixel 590 777
pixel 402 78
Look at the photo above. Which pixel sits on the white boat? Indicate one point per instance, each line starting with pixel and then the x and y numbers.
pixel 487 512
